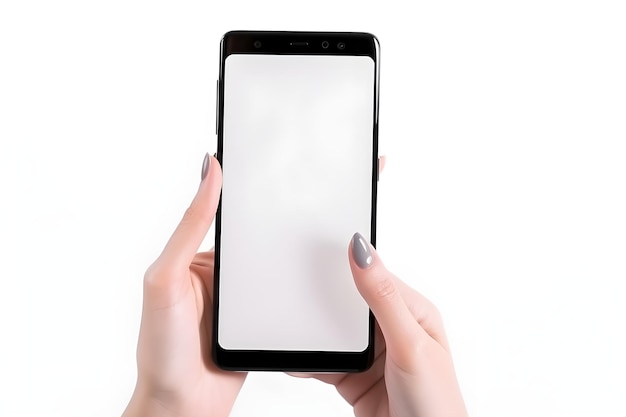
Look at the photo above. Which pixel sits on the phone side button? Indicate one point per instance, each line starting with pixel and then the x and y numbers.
pixel 217 102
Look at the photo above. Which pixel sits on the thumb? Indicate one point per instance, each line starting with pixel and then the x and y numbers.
pixel 186 239
pixel 381 291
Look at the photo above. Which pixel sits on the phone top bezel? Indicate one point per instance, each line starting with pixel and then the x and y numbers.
pixel 299 43
pixel 290 43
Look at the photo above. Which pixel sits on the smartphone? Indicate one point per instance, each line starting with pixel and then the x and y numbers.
pixel 297 128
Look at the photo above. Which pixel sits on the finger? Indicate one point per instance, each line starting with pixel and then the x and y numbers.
pixel 203 264
pixel 206 259
pixel 299 374
pixel 186 239
pixel 350 385
pixel 382 160
pixel 338 377
pixel 378 287
pixel 425 312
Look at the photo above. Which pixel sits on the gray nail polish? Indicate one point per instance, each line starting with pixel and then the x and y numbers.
pixel 205 166
pixel 361 251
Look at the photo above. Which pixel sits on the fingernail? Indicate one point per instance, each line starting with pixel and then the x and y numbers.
pixel 205 166
pixel 361 251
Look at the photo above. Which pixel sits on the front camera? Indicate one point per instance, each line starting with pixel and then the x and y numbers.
pixel 325 45
pixel 341 46
pixel 257 44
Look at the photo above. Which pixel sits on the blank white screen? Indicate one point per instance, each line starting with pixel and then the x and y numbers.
pixel 297 170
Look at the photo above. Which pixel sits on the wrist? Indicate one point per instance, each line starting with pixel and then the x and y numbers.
pixel 142 404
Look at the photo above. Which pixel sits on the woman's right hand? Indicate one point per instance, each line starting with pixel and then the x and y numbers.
pixel 412 374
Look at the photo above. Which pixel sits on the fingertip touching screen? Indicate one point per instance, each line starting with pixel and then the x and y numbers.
pixel 297 159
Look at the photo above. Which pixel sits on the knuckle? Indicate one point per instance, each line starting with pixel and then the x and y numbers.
pixel 151 276
pixel 148 276
pixel 385 288
pixel 156 276
pixel 196 214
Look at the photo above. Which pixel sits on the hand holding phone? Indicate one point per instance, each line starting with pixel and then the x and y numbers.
pixel 413 374
pixel 175 373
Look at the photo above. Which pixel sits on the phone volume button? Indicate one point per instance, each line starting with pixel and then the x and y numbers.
pixel 217 103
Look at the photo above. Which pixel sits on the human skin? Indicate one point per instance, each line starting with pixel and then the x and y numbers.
pixel 412 374
pixel 175 373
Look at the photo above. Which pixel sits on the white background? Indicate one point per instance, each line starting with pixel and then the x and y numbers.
pixel 503 200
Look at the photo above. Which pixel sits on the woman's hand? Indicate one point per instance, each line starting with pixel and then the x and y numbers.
pixel 176 376
pixel 412 375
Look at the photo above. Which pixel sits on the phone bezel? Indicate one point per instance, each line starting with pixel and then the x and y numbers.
pixel 293 43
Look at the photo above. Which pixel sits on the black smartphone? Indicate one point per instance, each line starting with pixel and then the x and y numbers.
pixel 297 129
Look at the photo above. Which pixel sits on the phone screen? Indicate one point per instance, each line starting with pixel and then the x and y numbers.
pixel 297 152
